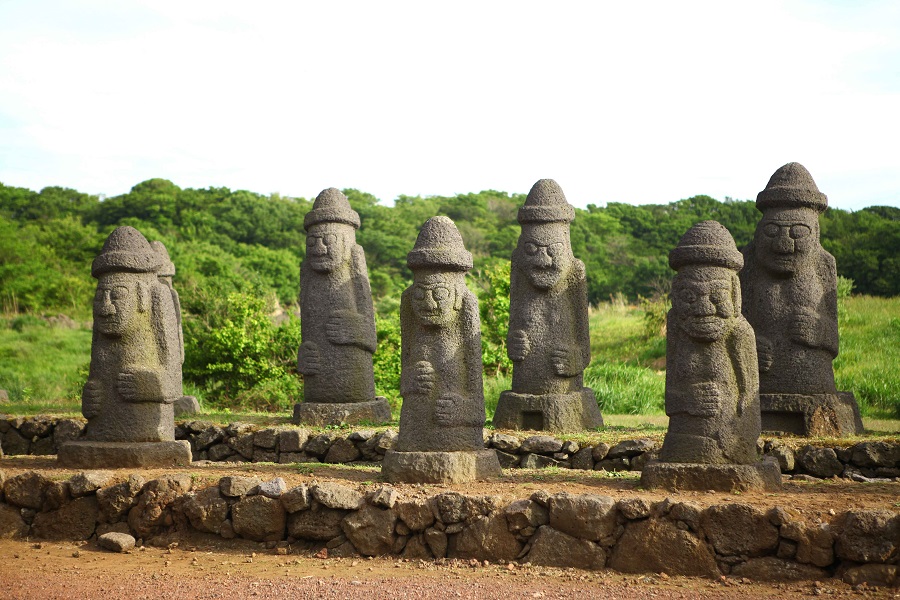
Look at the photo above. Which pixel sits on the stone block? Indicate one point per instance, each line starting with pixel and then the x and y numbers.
pixel 440 467
pixel 763 476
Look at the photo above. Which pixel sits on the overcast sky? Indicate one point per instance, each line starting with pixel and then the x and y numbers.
pixel 618 101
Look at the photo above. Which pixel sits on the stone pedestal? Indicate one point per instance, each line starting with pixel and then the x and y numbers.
pixel 350 413
pixel 814 415
pixel 548 412
pixel 762 476
pixel 440 467
pixel 120 455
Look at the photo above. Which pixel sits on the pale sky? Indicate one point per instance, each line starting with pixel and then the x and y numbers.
pixel 635 102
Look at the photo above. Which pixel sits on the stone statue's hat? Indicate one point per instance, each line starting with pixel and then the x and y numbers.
pixel 331 206
pixel 439 245
pixel 792 186
pixel 168 267
pixel 546 203
pixel 706 243
pixel 126 250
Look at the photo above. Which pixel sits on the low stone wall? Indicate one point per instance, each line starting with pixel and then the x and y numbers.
pixel 585 531
pixel 242 442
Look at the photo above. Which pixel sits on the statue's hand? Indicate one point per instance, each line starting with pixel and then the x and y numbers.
pixel 139 386
pixel 765 354
pixel 448 409
pixel 90 399
pixel 707 399
pixel 425 377
pixel 518 345
pixel 565 361
pixel 308 359
pixel 803 329
pixel 343 327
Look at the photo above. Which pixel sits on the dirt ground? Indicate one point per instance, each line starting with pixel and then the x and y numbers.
pixel 205 567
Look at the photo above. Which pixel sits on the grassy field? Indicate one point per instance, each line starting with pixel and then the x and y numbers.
pixel 43 367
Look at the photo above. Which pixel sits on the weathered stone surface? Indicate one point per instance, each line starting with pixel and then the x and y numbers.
pixel 153 508
pixel 814 415
pixel 56 495
pixel 258 518
pixel 634 508
pixel 75 520
pixel 783 453
pixel 541 444
pixel 485 538
pixel 273 488
pixel 770 568
pixel 14 444
pixel 436 541
pixel 11 523
pixel 99 455
pixel 415 513
pixel 266 438
pixel 233 486
pixel 318 445
pixel 548 338
pixel 88 482
pixel 585 516
pixel 265 455
pixel 537 461
pixel 319 523
pixel 868 536
pixel 206 510
pixel 506 442
pixel 440 467
pixel 209 436
pixel 814 543
pixel 876 454
pixel 345 413
pixel 27 490
pixel 342 451
pixel 522 514
pixel 453 507
pixel 583 459
pixel 186 406
pixel 67 430
pixel 385 496
pixel 649 545
pixel 724 478
pixel 116 500
pixel 712 379
pixel 631 448
pixel 739 529
pixel 296 499
pixel 874 575
pixel 337 318
pixel 292 440
pixel 551 548
pixel 371 530
pixel 790 298
pixel 116 542
pixel 219 452
pixel 335 495
pixel 819 462
pixel 39 426
pixel 242 444
pixel 417 549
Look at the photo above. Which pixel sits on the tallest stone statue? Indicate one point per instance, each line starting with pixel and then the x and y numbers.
pixel 789 285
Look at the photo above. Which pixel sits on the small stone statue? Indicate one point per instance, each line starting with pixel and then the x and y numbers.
pixel 442 418
pixel 790 298
pixel 712 382
pixel 337 321
pixel 548 342
pixel 135 372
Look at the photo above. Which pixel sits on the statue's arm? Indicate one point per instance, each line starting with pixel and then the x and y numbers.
pixel 743 353
pixel 473 414
pixel 829 321
pixel 582 325
pixel 407 371
pixel 366 337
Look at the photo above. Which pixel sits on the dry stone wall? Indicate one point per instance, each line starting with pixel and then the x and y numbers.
pixel 586 531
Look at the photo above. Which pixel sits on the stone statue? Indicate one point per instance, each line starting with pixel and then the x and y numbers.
pixel 442 418
pixel 135 372
pixel 712 381
pixel 337 321
pixel 548 342
pixel 790 298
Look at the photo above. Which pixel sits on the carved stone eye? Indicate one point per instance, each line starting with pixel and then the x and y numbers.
pixel 440 293
pixel 800 231
pixel 771 230
pixel 531 248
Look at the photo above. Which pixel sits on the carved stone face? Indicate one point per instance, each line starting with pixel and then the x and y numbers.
pixel 702 302
pixel 544 253
pixel 434 298
pixel 328 246
pixel 785 238
pixel 116 304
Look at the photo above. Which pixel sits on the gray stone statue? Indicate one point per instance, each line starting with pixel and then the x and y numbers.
pixel 442 418
pixel 548 342
pixel 135 372
pixel 790 298
pixel 712 381
pixel 337 321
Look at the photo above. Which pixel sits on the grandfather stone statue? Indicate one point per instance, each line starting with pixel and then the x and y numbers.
pixel 548 339
pixel 712 381
pixel 337 321
pixel 442 418
pixel 790 298
pixel 135 372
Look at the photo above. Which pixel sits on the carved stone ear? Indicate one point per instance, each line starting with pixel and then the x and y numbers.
pixel 736 294
pixel 143 295
pixel 459 290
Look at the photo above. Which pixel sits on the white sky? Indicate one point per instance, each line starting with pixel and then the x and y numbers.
pixel 636 102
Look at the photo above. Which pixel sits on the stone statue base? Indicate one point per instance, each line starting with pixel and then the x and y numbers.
pixel 763 476
pixel 375 412
pixel 117 455
pixel 440 467
pixel 575 411
pixel 813 415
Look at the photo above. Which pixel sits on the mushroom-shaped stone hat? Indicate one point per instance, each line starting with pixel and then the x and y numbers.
pixel 439 245
pixel 331 206
pixel 546 203
pixel 792 186
pixel 167 269
pixel 707 243
pixel 126 250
